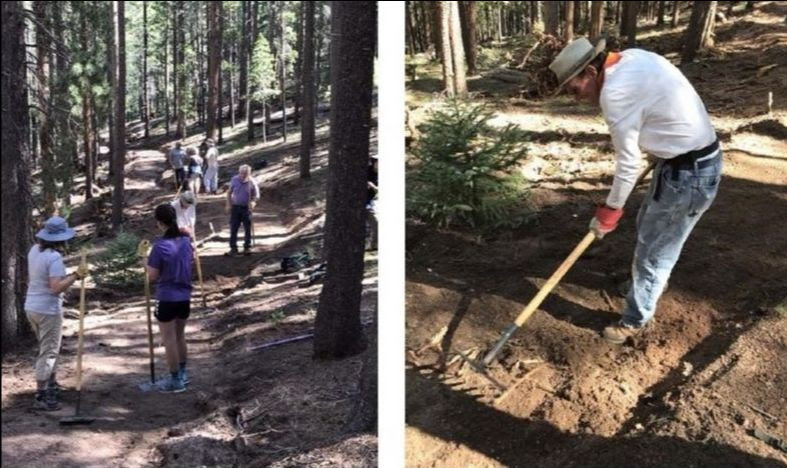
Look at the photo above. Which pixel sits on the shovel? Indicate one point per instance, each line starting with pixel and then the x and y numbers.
pixel 540 296
pixel 77 418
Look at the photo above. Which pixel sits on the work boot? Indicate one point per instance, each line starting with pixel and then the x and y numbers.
pixel 619 332
pixel 246 251
pixel 46 401
pixel 184 376
pixel 231 253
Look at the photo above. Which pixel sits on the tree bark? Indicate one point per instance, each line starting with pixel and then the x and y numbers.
pixel 119 66
pixel 180 70
pixel 283 71
pixel 551 18
pixel 243 59
pixel 660 15
pixel 41 10
pixel 468 16
pixel 167 115
pixel 309 104
pixel 409 31
pixel 214 66
pixel 632 9
pixel 87 112
pixel 444 9
pixel 298 72
pixel 675 14
pixel 252 31
pixel 458 51
pixel 538 18
pixel 145 99
pixel 700 32
pixel 437 29
pixel 568 30
pixel 337 329
pixel 16 190
pixel 596 19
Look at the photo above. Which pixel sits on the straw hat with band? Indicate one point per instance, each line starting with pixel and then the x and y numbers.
pixel 574 58
pixel 56 230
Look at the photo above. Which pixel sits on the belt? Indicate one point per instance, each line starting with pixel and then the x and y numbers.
pixel 688 161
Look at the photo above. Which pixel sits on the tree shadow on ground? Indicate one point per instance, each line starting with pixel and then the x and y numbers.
pixel 517 442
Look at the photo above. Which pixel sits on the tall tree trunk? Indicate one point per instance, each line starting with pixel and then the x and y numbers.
pixel 408 29
pixel 283 71
pixel 337 328
pixel 222 52
pixel 444 9
pixel 298 72
pixel 675 14
pixel 551 18
pixel 87 113
pixel 662 11
pixel 578 15
pixel 214 66
pixel 632 9
pixel 243 59
pixel 538 18
pixel 700 32
pixel 66 155
pixel 119 65
pixel 458 51
pixel 568 30
pixel 468 17
pixel 252 31
pixel 145 99
pixel 596 19
pixel 437 29
pixel 180 70
pixel 233 56
pixel 42 12
pixel 309 104
pixel 17 204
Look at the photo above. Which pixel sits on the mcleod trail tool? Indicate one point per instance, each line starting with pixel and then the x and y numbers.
pixel 142 252
pixel 544 291
pixel 77 418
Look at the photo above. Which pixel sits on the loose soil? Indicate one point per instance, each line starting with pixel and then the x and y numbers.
pixel 695 385
pixel 244 407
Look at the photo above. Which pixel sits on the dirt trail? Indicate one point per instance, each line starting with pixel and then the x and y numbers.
pixel 247 306
pixel 692 389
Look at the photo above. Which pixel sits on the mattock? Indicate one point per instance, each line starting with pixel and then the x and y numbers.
pixel 481 367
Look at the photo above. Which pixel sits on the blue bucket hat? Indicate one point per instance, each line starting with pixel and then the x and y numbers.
pixel 56 230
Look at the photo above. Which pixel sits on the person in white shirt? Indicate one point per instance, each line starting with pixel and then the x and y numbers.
pixel 186 211
pixel 212 173
pixel 650 106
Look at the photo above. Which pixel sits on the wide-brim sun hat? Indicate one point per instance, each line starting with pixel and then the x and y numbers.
pixel 574 58
pixel 56 230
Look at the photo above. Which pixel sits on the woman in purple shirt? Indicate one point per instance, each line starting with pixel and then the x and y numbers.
pixel 169 267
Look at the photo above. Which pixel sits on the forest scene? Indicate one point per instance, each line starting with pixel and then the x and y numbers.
pixel 258 119
pixel 504 172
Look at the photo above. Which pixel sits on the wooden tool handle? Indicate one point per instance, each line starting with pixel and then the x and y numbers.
pixel 150 328
pixel 199 276
pixel 554 279
pixel 83 263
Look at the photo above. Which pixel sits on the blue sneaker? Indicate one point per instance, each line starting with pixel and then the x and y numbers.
pixel 172 385
pixel 184 376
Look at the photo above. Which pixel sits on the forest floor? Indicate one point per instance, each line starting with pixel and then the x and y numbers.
pixel 710 370
pixel 267 407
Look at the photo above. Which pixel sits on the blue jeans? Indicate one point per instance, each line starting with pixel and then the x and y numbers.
pixel 212 179
pixel 240 214
pixel 664 222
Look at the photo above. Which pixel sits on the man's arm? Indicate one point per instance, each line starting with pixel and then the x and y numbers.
pixel 623 114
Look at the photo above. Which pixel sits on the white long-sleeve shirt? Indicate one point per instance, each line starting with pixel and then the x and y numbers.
pixel 186 216
pixel 648 104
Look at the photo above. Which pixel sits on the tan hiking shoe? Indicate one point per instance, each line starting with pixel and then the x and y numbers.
pixel 619 332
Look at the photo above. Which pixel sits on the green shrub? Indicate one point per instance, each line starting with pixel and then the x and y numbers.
pixel 119 266
pixel 465 173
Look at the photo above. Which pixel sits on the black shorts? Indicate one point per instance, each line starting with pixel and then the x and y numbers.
pixel 168 311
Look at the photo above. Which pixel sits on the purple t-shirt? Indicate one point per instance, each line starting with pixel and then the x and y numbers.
pixel 172 257
pixel 243 192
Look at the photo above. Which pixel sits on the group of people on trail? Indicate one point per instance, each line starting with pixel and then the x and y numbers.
pixel 191 169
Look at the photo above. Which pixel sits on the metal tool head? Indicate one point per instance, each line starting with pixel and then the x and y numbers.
pixel 76 420
pixel 481 369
